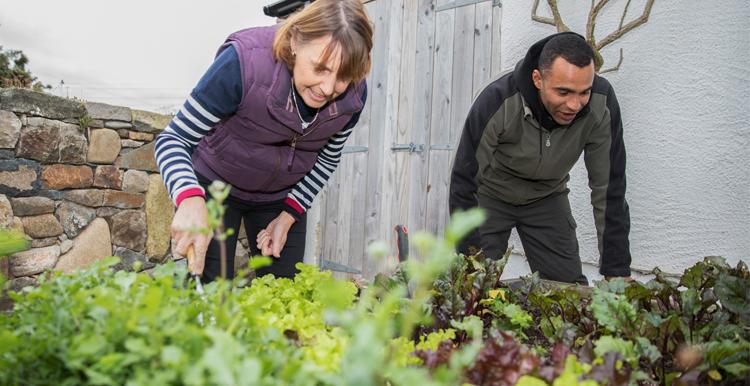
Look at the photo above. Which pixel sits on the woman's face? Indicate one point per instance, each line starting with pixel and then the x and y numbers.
pixel 315 81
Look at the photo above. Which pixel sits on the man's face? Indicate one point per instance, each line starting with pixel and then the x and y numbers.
pixel 564 89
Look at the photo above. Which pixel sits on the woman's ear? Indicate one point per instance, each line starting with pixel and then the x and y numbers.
pixel 293 43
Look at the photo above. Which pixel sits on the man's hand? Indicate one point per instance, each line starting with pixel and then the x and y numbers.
pixel 270 241
pixel 190 216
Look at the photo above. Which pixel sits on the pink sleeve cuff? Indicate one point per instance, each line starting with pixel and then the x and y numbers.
pixel 295 209
pixel 192 192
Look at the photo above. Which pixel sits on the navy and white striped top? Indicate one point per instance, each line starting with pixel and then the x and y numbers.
pixel 217 96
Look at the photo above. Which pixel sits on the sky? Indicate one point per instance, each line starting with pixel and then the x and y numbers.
pixel 137 53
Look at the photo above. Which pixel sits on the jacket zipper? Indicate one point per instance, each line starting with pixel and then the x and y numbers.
pixel 293 144
pixel 544 141
pixel 296 137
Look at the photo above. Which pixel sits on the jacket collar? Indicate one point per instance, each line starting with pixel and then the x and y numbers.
pixel 280 103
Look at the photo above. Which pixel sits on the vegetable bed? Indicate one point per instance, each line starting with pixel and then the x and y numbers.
pixel 455 323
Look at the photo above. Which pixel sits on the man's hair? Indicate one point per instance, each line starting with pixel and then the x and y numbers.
pixel 350 29
pixel 572 48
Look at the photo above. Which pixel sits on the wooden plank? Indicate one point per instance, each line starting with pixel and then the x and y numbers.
pixel 359 137
pixel 313 238
pixel 331 220
pixel 497 19
pixel 482 47
pixel 390 132
pixel 403 160
pixel 461 92
pixel 422 113
pixel 440 130
pixel 356 231
pixel 463 71
pixel 341 247
pixel 378 89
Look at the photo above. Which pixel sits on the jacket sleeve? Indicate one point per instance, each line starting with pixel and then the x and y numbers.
pixel 463 183
pixel 605 162
pixel 216 97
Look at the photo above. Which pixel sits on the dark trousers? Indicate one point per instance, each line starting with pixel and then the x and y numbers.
pixel 256 216
pixel 548 234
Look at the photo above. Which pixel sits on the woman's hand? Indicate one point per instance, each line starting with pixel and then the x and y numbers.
pixel 191 216
pixel 270 241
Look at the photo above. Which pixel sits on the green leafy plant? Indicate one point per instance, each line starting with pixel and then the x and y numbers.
pixel 459 291
pixel 11 241
pixel 458 324
pixel 105 327
pixel 84 122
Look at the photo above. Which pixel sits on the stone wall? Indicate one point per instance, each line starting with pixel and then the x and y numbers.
pixel 80 180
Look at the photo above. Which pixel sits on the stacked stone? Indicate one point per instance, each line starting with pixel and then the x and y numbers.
pixel 80 180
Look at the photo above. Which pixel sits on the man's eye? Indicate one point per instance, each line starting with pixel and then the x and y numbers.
pixel 563 92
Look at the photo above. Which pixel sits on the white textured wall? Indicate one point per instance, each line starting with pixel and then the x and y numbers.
pixel 684 92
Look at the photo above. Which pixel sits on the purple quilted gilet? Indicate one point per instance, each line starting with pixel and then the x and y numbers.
pixel 262 150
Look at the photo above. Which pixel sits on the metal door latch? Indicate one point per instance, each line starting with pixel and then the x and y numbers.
pixel 410 147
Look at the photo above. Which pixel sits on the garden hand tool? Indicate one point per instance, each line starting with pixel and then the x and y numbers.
pixel 402 245
pixel 194 276
pixel 198 285
pixel 402 242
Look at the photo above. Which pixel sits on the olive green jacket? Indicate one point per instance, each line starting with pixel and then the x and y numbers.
pixel 512 150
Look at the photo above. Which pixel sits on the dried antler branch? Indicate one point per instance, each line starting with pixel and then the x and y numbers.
pixel 540 19
pixel 591 21
pixel 555 20
pixel 624 13
pixel 615 68
pixel 622 30
pixel 596 7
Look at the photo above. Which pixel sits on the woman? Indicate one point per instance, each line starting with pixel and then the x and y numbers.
pixel 269 117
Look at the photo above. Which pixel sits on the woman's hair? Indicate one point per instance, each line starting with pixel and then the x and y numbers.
pixel 347 23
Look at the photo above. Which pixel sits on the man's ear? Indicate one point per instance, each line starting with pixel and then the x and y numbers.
pixel 536 76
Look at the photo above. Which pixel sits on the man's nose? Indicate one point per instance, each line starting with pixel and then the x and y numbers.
pixel 575 104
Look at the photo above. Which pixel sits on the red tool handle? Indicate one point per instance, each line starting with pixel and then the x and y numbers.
pixel 402 242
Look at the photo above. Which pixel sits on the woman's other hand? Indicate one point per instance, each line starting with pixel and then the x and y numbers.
pixel 270 241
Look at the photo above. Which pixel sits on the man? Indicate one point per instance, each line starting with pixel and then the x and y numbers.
pixel 523 134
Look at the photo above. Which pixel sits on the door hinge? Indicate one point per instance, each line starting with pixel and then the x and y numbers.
pixel 354 149
pixel 442 146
